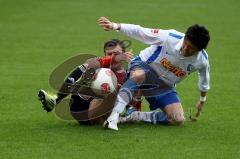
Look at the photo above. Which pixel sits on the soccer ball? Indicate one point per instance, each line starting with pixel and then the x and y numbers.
pixel 104 82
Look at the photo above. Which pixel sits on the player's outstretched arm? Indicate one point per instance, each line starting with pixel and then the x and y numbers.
pixel 107 24
pixel 146 35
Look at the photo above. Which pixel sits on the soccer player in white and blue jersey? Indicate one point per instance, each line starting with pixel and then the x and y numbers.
pixel 169 59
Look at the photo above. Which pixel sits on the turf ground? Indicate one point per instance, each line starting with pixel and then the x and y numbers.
pixel 36 36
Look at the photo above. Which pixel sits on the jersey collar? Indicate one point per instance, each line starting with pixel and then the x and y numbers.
pixel 178 49
pixel 179 45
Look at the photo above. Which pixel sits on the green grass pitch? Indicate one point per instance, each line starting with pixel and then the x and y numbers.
pixel 36 36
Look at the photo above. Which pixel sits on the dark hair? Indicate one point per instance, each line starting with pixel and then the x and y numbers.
pixel 124 44
pixel 198 35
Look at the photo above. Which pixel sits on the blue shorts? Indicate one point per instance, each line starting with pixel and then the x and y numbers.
pixel 156 92
pixel 161 101
pixel 152 85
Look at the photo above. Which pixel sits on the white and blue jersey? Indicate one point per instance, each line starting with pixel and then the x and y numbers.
pixel 165 58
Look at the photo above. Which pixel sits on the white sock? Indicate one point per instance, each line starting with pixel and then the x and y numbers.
pixel 114 114
pixel 140 116
pixel 121 103
pixel 145 116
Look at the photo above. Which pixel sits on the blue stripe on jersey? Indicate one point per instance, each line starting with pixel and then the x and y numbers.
pixel 135 59
pixel 154 55
pixel 205 54
pixel 175 35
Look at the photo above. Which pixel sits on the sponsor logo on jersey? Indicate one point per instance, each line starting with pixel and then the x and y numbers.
pixel 174 69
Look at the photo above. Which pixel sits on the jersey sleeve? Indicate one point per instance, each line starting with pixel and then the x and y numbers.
pixel 204 78
pixel 105 62
pixel 145 35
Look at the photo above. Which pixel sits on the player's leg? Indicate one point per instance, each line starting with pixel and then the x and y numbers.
pixel 79 107
pixel 169 103
pixel 100 109
pixel 97 114
pixel 50 100
pixel 90 111
pixel 93 113
pixel 127 90
pixel 142 77
pixel 136 116
pixel 171 106
pixel 175 114
pixel 72 78
pixel 137 76
pixel 172 113
pixel 73 82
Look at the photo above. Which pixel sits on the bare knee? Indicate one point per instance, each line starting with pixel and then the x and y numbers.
pixel 175 114
pixel 177 119
pixel 138 76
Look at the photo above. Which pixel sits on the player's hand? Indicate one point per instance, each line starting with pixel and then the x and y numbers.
pixel 129 55
pixel 199 108
pixel 126 56
pixel 105 23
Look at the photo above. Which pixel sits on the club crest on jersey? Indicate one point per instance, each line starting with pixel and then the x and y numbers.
pixel 170 67
pixel 190 67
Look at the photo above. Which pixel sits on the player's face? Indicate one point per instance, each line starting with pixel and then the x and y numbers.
pixel 113 50
pixel 188 49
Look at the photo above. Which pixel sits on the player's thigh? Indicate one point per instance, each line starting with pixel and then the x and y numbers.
pixel 137 75
pixel 163 100
pixel 175 113
pixel 79 109
pixel 100 109
pixel 146 78
pixel 94 113
pixel 78 103
pixel 170 104
pixel 136 71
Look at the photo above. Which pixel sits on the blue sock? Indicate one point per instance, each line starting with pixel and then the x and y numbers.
pixel 129 84
pixel 159 118
pixel 125 95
